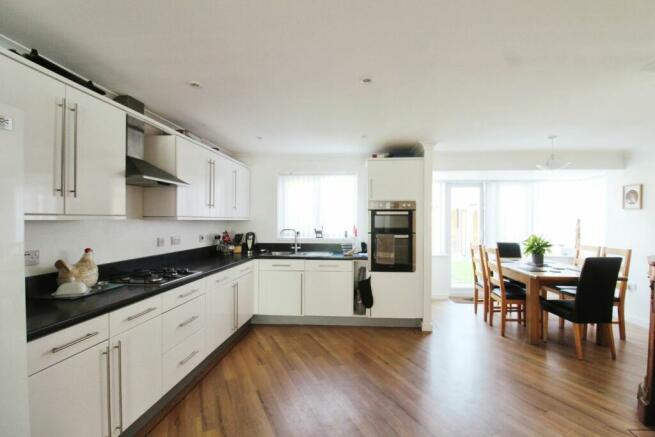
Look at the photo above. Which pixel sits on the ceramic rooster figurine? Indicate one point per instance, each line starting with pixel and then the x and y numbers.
pixel 85 270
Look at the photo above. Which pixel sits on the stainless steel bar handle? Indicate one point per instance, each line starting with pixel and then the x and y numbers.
pixel 302 292
pixel 62 173
pixel 75 111
pixel 56 349
pixel 328 265
pixel 392 213
pixel 183 295
pixel 281 265
pixel 188 357
pixel 245 270
pixel 209 194
pixel 213 184
pixel 106 354
pixel 187 321
pixel 119 347
pixel 142 313
pixel 235 299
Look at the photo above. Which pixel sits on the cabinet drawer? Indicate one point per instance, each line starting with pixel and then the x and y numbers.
pixel 328 266
pixel 184 293
pixel 183 358
pixel 220 279
pixel 46 351
pixel 135 314
pixel 282 264
pixel 243 269
pixel 179 323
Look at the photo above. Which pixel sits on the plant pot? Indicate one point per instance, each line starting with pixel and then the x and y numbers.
pixel 538 259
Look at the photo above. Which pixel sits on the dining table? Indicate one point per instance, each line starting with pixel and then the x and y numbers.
pixel 535 277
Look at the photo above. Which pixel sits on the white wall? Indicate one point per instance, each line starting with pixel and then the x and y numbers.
pixel 264 171
pixel 525 159
pixel 634 229
pixel 113 240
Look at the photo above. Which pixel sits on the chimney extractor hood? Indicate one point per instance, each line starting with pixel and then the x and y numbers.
pixel 137 171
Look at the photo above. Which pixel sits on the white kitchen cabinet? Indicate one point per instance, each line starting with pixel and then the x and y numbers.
pixel 136 372
pixel 70 399
pixel 245 298
pixel 221 309
pixel 95 156
pixel 41 100
pixel 232 189
pixel 242 192
pixel 280 292
pixel 74 146
pixel 328 293
pixel 397 296
pixel 395 179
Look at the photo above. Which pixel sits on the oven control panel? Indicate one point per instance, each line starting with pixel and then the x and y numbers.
pixel 392 204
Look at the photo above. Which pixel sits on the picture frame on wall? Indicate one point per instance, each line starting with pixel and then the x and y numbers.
pixel 632 196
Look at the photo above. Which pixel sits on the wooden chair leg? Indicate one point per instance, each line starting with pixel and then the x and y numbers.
pixel 520 314
pixel 577 335
pixel 503 318
pixel 610 339
pixel 621 311
pixel 485 305
pixel 544 326
pixel 491 312
pixel 475 300
pixel 584 332
pixel 561 320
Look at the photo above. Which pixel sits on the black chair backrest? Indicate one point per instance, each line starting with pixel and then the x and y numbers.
pixel 594 298
pixel 509 250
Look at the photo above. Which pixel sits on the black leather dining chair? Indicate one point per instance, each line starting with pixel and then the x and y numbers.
pixel 593 303
pixel 509 250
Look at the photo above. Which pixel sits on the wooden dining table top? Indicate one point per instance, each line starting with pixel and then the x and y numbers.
pixel 553 271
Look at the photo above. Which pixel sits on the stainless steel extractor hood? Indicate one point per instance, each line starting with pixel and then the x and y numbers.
pixel 137 171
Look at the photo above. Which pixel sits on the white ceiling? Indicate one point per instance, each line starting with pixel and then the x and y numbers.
pixel 465 74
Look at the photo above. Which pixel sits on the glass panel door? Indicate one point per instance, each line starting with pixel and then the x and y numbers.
pixel 465 229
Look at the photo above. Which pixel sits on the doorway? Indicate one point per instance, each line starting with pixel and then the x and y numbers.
pixel 465 229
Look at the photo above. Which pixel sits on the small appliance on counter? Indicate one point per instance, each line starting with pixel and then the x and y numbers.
pixel 250 243
pixel 237 241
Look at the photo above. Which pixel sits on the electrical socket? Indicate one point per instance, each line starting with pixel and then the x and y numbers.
pixel 201 238
pixel 161 241
pixel 175 240
pixel 31 258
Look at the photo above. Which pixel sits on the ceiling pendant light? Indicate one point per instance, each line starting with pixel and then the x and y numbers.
pixel 552 163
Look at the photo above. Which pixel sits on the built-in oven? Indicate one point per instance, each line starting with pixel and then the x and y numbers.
pixel 392 231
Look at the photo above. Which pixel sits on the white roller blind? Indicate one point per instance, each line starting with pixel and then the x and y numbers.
pixel 309 201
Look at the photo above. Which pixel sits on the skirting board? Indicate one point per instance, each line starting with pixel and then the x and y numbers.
pixel 335 321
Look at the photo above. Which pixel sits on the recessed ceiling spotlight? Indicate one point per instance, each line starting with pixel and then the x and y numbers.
pixel 260 138
pixel 367 80
pixel 364 136
pixel 193 83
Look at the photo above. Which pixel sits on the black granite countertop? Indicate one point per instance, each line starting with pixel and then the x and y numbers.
pixel 47 316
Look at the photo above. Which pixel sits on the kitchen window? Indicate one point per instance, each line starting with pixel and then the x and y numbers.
pixel 310 202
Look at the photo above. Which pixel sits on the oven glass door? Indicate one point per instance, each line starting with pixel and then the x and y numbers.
pixel 392 221
pixel 392 252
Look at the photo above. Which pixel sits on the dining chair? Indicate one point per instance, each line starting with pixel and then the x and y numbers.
pixel 480 282
pixel 505 293
pixel 621 286
pixel 509 250
pixel 593 303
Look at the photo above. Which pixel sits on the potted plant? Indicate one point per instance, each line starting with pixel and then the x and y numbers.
pixel 537 247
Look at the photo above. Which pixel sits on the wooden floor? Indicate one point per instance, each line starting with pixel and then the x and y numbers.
pixel 463 379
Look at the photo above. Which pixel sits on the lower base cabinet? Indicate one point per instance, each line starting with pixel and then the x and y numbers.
pixel 280 293
pixel 182 359
pixel 71 398
pixel 136 370
pixel 328 294
pixel 245 299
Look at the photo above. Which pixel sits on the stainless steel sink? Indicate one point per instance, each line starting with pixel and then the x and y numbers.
pixel 301 254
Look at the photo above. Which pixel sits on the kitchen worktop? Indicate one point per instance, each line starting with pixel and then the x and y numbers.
pixel 47 316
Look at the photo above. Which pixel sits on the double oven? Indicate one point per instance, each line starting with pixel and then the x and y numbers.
pixel 392 231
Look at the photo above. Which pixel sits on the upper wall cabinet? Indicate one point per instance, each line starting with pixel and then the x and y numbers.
pixel 219 188
pixel 395 179
pixel 74 146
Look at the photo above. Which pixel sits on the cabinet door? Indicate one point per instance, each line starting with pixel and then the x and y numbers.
pixel 95 156
pixel 328 294
pixel 280 293
pixel 70 399
pixel 223 187
pixel 220 313
pixel 41 99
pixel 397 296
pixel 246 299
pixel 193 167
pixel 136 371
pixel 242 191
pixel 395 179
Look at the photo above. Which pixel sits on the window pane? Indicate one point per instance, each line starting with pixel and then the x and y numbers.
pixel 326 201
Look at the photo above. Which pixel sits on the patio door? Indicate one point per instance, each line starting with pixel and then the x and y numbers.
pixel 465 215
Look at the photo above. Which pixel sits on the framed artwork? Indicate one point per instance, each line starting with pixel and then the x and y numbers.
pixel 632 196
